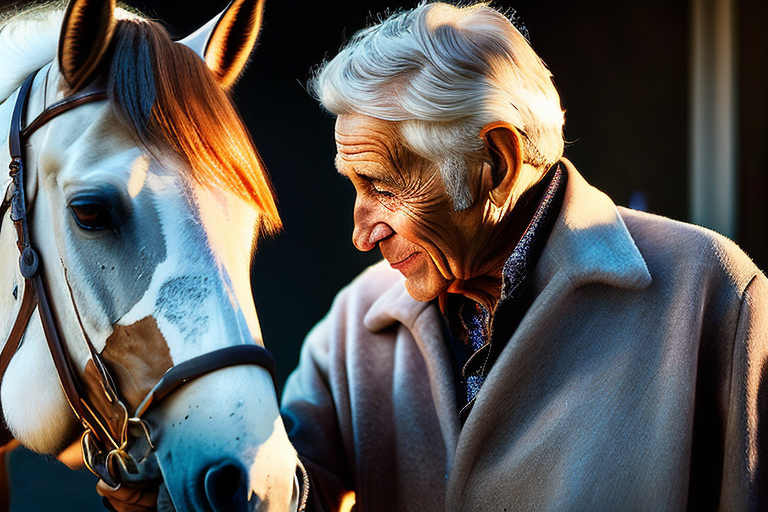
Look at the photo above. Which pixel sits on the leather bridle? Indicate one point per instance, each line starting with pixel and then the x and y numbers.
pixel 112 433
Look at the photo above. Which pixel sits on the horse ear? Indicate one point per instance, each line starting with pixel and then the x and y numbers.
pixel 225 43
pixel 85 37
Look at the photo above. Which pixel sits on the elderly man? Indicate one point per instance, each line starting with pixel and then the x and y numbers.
pixel 526 345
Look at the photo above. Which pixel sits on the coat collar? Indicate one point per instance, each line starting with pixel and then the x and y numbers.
pixel 590 242
pixel 394 305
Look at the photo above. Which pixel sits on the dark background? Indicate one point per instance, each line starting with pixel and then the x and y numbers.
pixel 622 72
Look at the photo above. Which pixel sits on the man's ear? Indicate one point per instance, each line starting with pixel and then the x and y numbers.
pixel 505 147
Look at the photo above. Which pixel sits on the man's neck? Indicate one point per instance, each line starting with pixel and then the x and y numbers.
pixel 494 248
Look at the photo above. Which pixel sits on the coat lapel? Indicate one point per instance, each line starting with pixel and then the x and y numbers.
pixel 424 322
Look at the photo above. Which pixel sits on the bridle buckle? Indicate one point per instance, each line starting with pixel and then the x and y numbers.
pixel 129 463
pixel 14 167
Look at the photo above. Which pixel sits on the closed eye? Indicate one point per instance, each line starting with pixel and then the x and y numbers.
pixel 380 191
pixel 376 186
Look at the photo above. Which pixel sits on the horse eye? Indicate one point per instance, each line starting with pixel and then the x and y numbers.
pixel 91 214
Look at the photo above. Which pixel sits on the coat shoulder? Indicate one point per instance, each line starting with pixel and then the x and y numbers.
pixel 692 250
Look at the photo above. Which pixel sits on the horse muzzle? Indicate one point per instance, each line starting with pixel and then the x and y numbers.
pixel 221 445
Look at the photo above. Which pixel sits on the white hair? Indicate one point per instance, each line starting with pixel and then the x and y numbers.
pixel 443 72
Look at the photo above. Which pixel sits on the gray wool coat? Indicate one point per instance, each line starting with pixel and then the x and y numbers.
pixel 637 380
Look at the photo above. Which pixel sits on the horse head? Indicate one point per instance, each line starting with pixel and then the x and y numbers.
pixel 144 200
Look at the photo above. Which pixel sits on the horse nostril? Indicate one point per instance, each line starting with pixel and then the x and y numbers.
pixel 226 487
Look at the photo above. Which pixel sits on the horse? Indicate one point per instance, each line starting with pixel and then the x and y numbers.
pixel 128 226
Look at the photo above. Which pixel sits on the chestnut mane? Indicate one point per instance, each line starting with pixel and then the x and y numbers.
pixel 167 95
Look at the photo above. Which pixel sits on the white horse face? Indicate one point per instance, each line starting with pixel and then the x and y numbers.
pixel 151 267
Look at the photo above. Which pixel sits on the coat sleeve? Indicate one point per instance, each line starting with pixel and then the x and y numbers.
pixel 729 455
pixel 313 410
pixel 745 472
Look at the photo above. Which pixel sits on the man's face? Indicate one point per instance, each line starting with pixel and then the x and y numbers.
pixel 402 206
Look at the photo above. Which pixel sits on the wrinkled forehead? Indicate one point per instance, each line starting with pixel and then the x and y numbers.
pixel 376 149
pixel 370 147
pixel 357 135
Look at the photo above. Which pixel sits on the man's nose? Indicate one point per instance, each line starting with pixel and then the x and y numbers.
pixel 368 232
pixel 366 239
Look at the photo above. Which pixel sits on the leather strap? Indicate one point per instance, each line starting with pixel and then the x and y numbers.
pixel 14 198
pixel 17 120
pixel 28 304
pixel 29 262
pixel 81 98
pixel 198 366
pixel 28 258
pixel 68 376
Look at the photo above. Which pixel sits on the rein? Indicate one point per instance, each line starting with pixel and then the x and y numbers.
pixel 111 435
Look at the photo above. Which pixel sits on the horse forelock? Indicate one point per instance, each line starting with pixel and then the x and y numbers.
pixel 165 93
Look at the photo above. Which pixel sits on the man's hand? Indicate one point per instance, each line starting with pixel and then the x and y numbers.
pixel 129 499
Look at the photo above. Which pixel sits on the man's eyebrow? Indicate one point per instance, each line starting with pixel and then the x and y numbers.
pixel 339 164
pixel 344 169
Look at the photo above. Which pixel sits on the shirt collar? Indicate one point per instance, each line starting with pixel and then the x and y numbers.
pixel 526 253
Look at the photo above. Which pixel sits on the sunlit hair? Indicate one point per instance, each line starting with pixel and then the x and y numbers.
pixel 160 90
pixel 167 95
pixel 444 72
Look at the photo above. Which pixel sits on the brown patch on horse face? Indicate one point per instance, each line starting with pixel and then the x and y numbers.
pixel 137 356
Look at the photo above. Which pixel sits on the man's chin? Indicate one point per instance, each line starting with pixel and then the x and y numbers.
pixel 424 292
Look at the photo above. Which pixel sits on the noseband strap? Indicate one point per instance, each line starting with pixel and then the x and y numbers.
pixel 109 427
pixel 196 367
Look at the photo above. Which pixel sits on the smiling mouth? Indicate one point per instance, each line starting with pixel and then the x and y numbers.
pixel 399 265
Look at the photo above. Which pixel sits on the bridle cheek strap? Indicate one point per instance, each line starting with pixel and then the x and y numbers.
pixel 28 305
pixel 103 423
pixel 110 431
